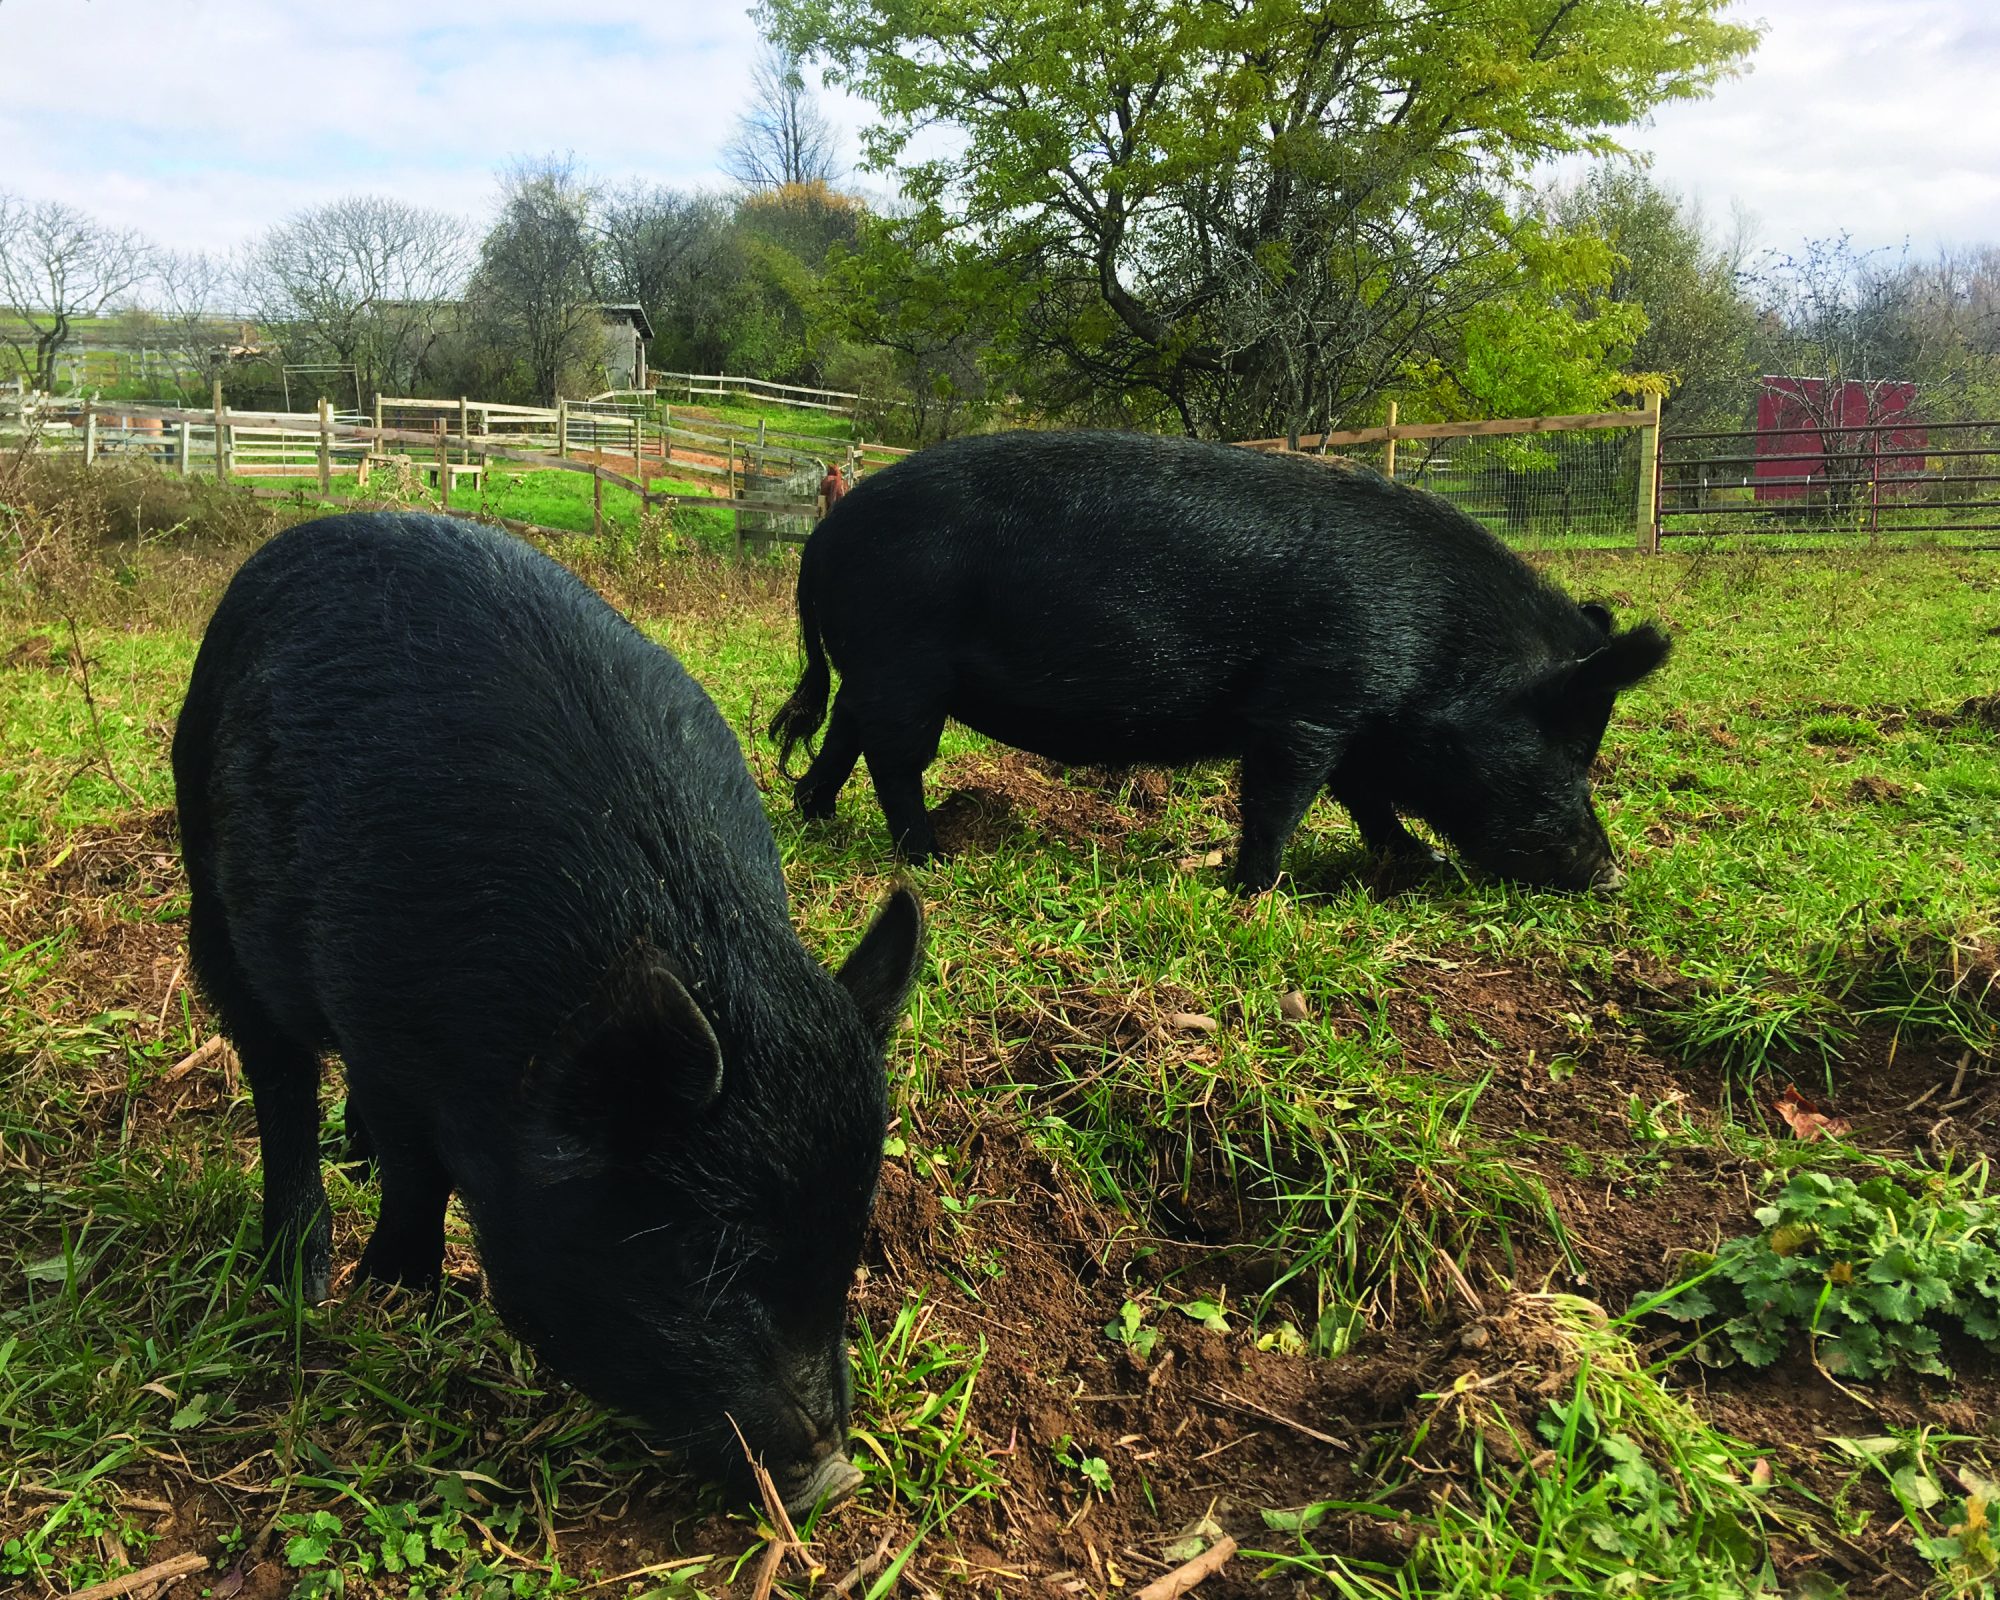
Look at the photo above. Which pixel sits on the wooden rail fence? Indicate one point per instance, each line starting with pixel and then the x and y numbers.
pixel 461 438
pixel 1645 419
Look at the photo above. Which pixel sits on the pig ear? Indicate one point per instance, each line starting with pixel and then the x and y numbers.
pixel 1599 614
pixel 1625 659
pixel 1579 690
pixel 880 973
pixel 651 1054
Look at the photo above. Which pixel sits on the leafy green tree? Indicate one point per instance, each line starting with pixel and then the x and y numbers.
pixel 541 266
pixel 1700 320
pixel 1550 338
pixel 932 306
pixel 1249 213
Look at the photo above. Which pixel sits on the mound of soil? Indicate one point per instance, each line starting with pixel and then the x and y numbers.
pixel 995 793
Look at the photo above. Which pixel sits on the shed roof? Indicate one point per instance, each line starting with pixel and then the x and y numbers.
pixel 635 314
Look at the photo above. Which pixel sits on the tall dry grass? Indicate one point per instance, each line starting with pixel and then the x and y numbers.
pixel 117 544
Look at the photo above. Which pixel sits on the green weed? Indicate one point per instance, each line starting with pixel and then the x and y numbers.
pixel 1871 1271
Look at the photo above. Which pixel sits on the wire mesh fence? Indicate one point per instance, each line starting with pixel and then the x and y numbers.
pixel 1536 491
pixel 1549 483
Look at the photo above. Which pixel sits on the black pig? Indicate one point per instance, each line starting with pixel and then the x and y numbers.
pixel 447 813
pixel 1113 599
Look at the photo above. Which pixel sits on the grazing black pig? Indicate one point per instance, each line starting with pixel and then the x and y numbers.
pixel 1108 599
pixel 447 813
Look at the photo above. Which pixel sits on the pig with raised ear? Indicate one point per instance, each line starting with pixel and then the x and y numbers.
pixel 1109 599
pixel 448 815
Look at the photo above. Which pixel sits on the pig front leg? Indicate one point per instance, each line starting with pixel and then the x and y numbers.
pixel 1381 829
pixel 407 1246
pixel 1281 774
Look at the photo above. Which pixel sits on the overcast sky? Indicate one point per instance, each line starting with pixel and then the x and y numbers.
pixel 201 121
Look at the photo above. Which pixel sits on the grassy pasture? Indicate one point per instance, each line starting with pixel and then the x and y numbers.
pixel 1339 1222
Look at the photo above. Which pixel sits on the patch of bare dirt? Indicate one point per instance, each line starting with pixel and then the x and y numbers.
pixel 995 793
pixel 1010 1254
pixel 115 893
pixel 35 650
pixel 1875 791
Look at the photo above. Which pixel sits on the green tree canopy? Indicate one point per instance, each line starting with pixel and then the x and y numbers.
pixel 1700 319
pixel 1254 212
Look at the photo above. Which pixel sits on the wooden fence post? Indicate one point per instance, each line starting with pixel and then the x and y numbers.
pixel 378 423
pixel 1388 447
pixel 444 469
pixel 562 426
pixel 597 501
pixel 1646 514
pixel 221 435
pixel 464 428
pixel 325 446
pixel 89 436
pixel 666 432
pixel 184 445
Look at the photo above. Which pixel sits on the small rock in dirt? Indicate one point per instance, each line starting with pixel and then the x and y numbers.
pixel 1475 1337
pixel 1192 1022
pixel 1292 1005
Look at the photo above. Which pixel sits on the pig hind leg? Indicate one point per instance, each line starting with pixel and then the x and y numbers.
pixel 1282 772
pixel 898 747
pixel 407 1246
pixel 284 1087
pixel 817 791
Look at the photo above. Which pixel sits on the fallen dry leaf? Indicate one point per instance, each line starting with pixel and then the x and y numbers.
pixel 1805 1119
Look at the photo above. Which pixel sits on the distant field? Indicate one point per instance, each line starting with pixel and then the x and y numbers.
pixel 549 499
pixel 1337 1221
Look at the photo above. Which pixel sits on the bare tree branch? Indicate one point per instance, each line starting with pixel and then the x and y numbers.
pixel 784 137
pixel 59 265
pixel 366 281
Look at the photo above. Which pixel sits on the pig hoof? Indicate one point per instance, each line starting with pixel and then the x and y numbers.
pixel 1609 879
pixel 313 1286
pixel 835 1479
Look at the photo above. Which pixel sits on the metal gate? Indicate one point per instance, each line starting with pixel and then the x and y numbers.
pixel 1901 482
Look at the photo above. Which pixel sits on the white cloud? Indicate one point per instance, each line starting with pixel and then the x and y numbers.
pixel 1880 120
pixel 202 121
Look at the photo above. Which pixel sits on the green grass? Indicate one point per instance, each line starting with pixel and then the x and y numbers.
pixel 1484 1083
pixel 548 499
pixel 742 412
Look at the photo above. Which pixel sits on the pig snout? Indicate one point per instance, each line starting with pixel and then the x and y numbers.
pixel 826 1481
